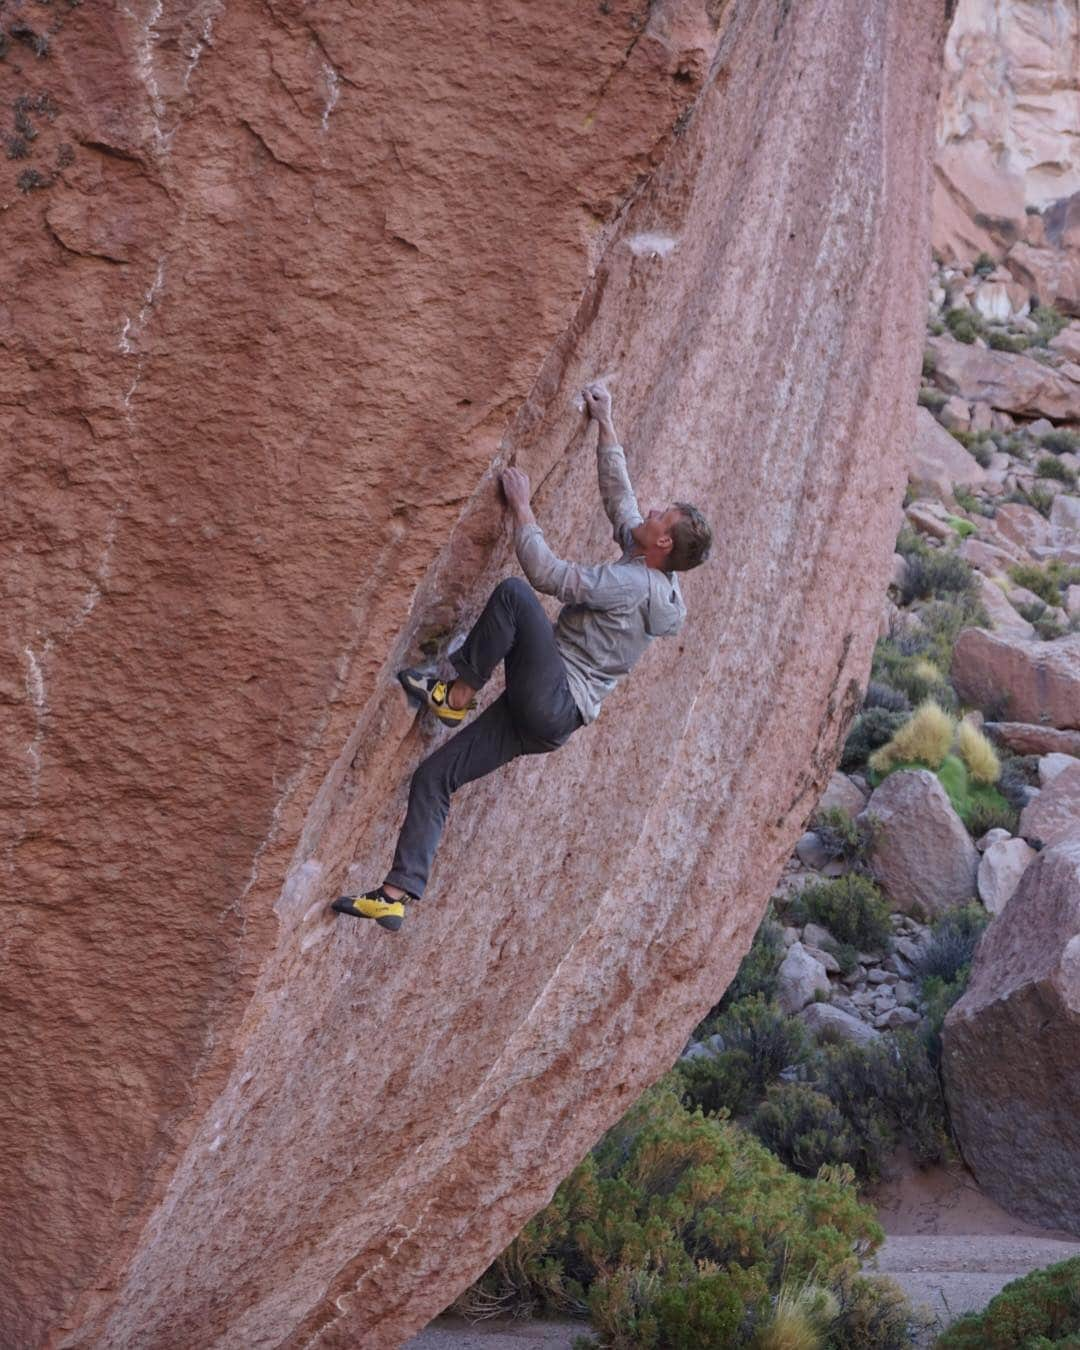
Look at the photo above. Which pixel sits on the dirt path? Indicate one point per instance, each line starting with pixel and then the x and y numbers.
pixel 452 1333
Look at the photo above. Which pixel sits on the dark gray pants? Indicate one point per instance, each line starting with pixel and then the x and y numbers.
pixel 534 715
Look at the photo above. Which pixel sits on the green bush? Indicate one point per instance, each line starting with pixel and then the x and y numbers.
pixel 1007 342
pixel 967 501
pixel 1049 323
pixel 772 1040
pixel 936 574
pixel 870 729
pixel 963 324
pixel 903 663
pixel 931 398
pixel 954 936
pixel 884 696
pixel 981 450
pixel 929 362
pixel 845 839
pixel 757 970
pixel 1040 1310
pixel 678 1231
pixel 983 816
pixel 874 1315
pixel 723 1082
pixel 1050 467
pixel 1061 442
pixel 803 1128
pixel 852 908
pixel 1047 581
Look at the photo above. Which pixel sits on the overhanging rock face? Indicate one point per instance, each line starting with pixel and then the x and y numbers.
pixel 301 278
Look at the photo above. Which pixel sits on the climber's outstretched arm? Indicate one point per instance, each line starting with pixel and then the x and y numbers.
pixel 602 587
pixel 615 490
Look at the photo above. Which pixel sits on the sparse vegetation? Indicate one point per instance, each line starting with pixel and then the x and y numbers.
pixel 845 839
pixel 851 907
pixel 1049 321
pixel 964 324
pixel 1047 580
pixel 1061 442
pixel 1050 467
pixel 932 398
pixel 873 727
pixel 925 739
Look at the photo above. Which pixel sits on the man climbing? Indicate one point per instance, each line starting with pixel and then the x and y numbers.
pixel 556 677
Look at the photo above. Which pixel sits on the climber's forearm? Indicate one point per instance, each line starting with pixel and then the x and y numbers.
pixel 607 433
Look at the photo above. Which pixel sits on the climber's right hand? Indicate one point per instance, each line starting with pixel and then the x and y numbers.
pixel 598 401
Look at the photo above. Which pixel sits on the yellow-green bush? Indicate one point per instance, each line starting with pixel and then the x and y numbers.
pixel 1040 1310
pixel 678 1232
pixel 978 754
pixel 925 738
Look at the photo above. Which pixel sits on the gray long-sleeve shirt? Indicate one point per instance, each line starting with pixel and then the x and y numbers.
pixel 611 611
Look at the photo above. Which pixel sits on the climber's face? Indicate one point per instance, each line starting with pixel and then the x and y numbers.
pixel 653 535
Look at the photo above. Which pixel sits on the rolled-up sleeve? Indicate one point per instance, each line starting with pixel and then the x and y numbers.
pixel 616 492
pixel 597 587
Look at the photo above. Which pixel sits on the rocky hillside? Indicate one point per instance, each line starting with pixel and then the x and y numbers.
pixel 290 283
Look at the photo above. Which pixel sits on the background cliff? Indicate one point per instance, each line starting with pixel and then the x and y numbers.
pixel 284 286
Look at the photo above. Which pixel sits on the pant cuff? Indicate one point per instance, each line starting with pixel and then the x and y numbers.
pixel 407 883
pixel 467 672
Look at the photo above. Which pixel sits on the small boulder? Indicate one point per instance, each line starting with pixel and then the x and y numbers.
pixel 955 414
pixel 1054 816
pixel 894 1018
pixel 1053 764
pixel 991 837
pixel 923 855
pixel 1039 680
pixel 831 1023
pixel 842 793
pixel 1000 870
pixel 799 978
pixel 813 935
pixel 1003 616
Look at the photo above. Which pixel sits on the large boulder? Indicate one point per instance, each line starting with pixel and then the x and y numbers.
pixel 1005 380
pixel 1027 680
pixel 939 462
pixel 923 856
pixel 292 284
pixel 1001 867
pixel 1012 1049
pixel 800 977
pixel 1026 738
pixel 1003 616
pixel 1054 815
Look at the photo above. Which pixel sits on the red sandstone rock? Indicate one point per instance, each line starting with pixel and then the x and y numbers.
pixel 1054 815
pixel 1017 384
pixel 1025 739
pixel 304 259
pixel 1035 681
pixel 1012 1048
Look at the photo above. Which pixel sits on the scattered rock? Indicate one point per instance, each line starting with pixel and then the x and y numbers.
pixel 1025 738
pixel 1054 816
pixel 811 852
pixel 710 1047
pixel 843 793
pixel 1012 1049
pixel 1065 518
pixel 897 1017
pixel 991 837
pixel 1000 870
pixel 924 518
pixel 1053 764
pixel 1040 681
pixel 813 935
pixel 955 414
pixel 1022 525
pixel 799 978
pixel 1002 614
pixel 923 856
pixel 1006 380
pixel 992 559
pixel 830 1022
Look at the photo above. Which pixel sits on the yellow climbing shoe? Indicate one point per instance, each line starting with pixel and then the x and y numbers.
pixel 431 692
pixel 376 905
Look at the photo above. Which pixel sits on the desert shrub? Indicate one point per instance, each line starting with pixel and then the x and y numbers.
pixel 1042 499
pixel 874 1314
pixel 985 816
pixel 978 754
pixel 983 265
pixel 880 695
pixel 847 955
pixel 1061 442
pixel 901 662
pixel 943 620
pixel 870 729
pixel 723 1082
pixel 678 1231
pixel 962 527
pixel 888 1092
pixel 851 907
pixel 1018 773
pixel 772 1040
pixel 799 1318
pixel 845 839
pixel 1047 581
pixel 963 324
pixel 954 936
pixel 981 450
pixel 1049 323
pixel 967 501
pixel 1039 1310
pixel 757 970
pixel 803 1128
pixel 932 398
pixel 1007 342
pixel 1049 467
pixel 925 738
pixel 938 572
pixel 929 362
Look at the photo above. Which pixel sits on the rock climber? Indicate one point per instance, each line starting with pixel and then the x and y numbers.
pixel 556 676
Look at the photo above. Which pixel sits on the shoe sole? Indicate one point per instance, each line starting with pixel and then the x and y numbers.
pixel 391 922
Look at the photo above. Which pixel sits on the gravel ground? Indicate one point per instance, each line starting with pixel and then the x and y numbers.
pixel 452 1333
